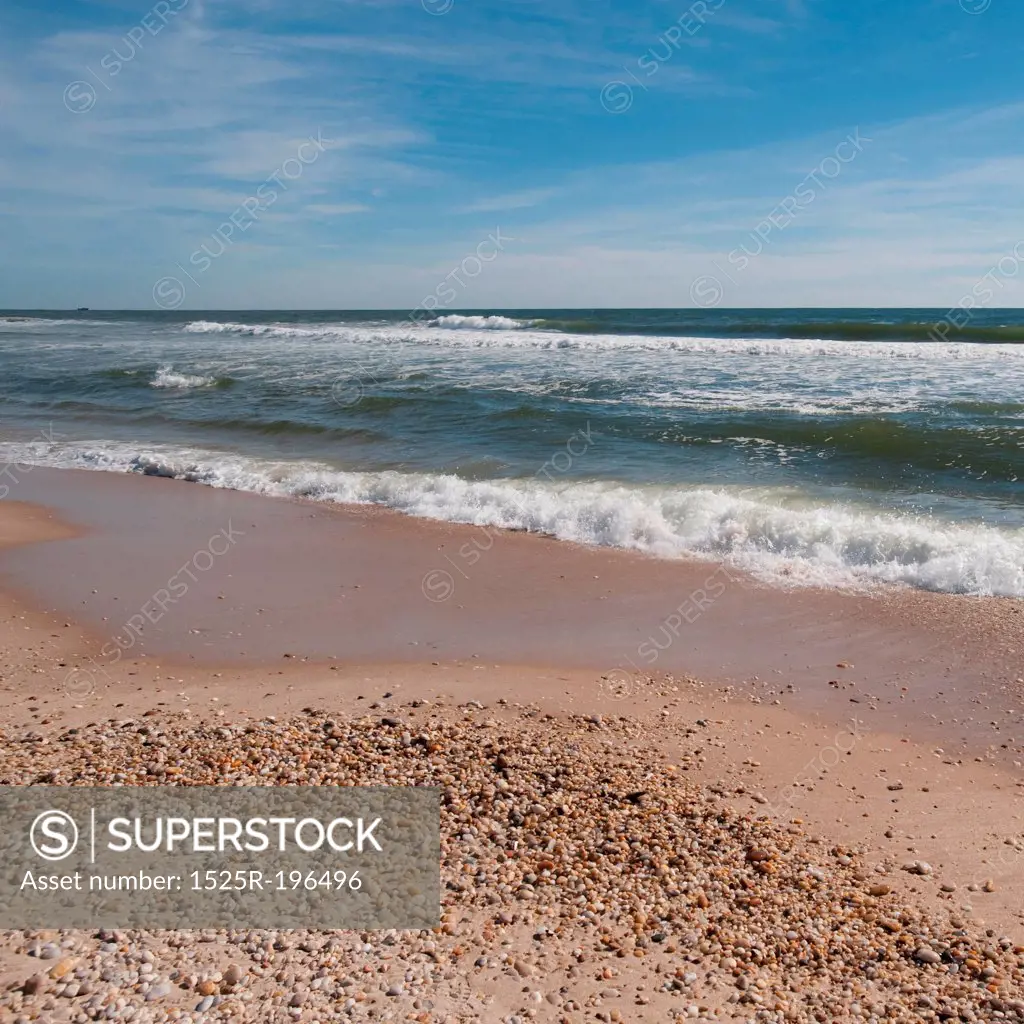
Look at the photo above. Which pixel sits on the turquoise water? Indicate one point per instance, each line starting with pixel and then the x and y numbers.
pixel 812 446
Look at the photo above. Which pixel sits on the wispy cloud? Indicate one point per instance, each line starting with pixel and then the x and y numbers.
pixel 511 201
pixel 337 209
pixel 444 126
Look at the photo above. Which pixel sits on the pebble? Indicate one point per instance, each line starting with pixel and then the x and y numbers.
pixel 918 867
pixel 570 853
pixel 158 991
pixel 61 968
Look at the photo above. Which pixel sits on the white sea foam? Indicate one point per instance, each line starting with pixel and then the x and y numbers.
pixel 23 322
pixel 484 323
pixel 777 535
pixel 496 332
pixel 266 330
pixel 789 348
pixel 167 378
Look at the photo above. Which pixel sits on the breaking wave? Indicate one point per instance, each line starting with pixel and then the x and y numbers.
pixel 498 332
pixel 482 323
pixel 773 533
pixel 167 378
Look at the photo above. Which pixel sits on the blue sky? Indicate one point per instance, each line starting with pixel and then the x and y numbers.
pixel 625 150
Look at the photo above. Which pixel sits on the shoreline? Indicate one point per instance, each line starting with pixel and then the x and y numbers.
pixel 844 807
pixel 194 575
pixel 82 682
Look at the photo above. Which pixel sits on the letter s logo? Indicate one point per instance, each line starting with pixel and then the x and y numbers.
pixel 54 835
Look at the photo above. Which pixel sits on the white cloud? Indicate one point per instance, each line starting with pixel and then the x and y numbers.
pixel 207 111
pixel 511 201
pixel 337 209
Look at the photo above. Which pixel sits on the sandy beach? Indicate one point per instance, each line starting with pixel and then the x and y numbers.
pixel 219 577
pixel 512 513
pixel 807 807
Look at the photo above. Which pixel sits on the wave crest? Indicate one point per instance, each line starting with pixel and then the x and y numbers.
pixel 481 323
pixel 497 332
pixel 167 378
pixel 765 532
pixel 257 330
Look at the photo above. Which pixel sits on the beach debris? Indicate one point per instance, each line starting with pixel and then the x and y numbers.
pixel 578 877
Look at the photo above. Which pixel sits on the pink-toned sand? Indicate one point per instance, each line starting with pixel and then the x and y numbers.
pixel 363 585
pixel 887 724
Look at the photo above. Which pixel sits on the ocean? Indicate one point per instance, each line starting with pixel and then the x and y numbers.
pixel 840 448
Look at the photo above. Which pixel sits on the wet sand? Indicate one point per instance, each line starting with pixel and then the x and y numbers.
pixel 849 786
pixel 192 574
